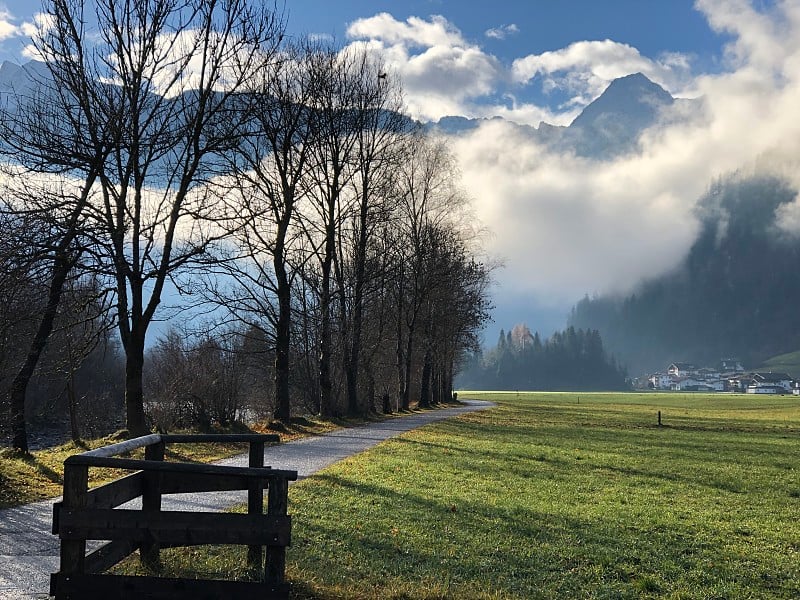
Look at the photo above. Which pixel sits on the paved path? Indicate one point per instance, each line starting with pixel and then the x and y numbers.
pixel 29 552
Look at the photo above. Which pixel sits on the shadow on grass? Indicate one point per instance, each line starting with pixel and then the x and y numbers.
pixel 42 468
pixel 387 534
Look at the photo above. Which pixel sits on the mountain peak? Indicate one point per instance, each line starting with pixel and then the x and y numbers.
pixel 634 96
pixel 613 123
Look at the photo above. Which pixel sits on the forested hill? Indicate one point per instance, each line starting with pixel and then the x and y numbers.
pixel 572 359
pixel 735 294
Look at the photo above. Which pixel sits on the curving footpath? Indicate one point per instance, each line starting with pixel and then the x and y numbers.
pixel 29 552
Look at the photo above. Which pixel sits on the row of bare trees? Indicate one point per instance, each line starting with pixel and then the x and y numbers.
pixel 185 148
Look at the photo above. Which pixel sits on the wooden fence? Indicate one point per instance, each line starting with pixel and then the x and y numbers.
pixel 86 514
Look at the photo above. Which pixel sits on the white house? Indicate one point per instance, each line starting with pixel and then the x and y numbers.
pixel 770 383
pixel 681 369
pixel 660 381
pixel 687 384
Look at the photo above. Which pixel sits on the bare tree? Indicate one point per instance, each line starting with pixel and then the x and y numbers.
pixel 379 123
pixel 263 192
pixel 429 198
pixel 170 69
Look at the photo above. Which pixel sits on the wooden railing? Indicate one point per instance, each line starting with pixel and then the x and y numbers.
pixel 86 514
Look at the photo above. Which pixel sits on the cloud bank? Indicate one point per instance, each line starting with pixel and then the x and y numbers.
pixel 565 225
pixel 446 74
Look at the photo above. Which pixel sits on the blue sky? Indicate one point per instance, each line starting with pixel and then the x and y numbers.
pixel 561 225
pixel 469 57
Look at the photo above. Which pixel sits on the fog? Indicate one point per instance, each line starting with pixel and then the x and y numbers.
pixel 566 226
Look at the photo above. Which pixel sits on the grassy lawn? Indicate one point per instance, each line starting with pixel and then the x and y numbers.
pixel 558 496
pixel 564 496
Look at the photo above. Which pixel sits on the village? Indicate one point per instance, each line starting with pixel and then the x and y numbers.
pixel 727 376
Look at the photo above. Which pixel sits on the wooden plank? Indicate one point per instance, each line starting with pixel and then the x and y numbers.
pixel 76 481
pixel 101 587
pixel 277 506
pixel 170 467
pixel 175 528
pixel 108 555
pixel 117 492
pixel 177 438
pixel 120 447
pixel 255 498
pixel 151 503
pixel 191 483
pixel 56 513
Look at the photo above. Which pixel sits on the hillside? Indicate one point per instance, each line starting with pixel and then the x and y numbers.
pixel 733 295
pixel 783 363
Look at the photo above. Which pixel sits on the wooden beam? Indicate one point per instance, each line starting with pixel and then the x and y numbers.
pixel 179 468
pixel 117 492
pixel 255 499
pixel 108 555
pixel 118 587
pixel 203 483
pixel 122 447
pixel 277 504
pixel 76 481
pixel 176 438
pixel 174 528
pixel 151 503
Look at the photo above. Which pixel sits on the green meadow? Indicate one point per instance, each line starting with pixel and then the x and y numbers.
pixel 560 496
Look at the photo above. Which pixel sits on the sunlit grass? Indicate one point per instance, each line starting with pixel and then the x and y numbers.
pixel 562 496
pixel 549 496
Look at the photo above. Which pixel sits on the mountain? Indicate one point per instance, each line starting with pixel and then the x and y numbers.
pixel 20 78
pixel 613 123
pixel 608 127
pixel 735 294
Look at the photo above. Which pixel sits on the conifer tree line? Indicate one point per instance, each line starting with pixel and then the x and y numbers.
pixel 184 157
pixel 573 359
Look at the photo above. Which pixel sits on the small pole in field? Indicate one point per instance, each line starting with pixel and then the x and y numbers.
pixel 659 418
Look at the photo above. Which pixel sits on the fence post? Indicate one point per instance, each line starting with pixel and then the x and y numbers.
pixel 277 504
pixel 149 552
pixel 255 500
pixel 76 484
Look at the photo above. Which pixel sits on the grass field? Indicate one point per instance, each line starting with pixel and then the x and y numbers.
pixel 559 496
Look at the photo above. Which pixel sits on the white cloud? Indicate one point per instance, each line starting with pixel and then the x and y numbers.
pixel 42 23
pixel 7 27
pixel 445 74
pixel 584 69
pixel 502 32
pixel 321 37
pixel 441 72
pixel 568 226
pixel 414 32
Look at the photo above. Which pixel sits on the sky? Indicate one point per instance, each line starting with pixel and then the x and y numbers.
pixel 564 226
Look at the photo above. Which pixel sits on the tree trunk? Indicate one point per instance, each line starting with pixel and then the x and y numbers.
pixel 72 399
pixel 19 387
pixel 425 385
pixel 406 397
pixel 400 362
pixel 325 385
pixel 282 343
pixel 134 395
